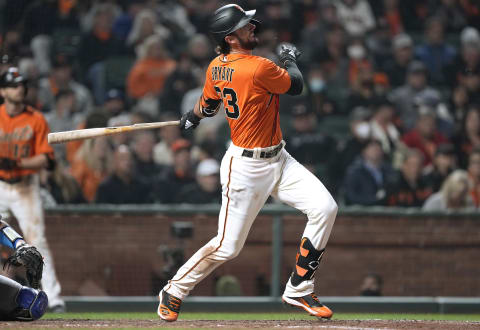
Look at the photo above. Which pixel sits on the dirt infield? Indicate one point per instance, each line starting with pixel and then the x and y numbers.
pixel 298 325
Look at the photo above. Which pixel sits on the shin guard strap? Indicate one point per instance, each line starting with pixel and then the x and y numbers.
pixel 308 260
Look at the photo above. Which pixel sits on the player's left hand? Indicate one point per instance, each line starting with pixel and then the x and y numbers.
pixel 29 257
pixel 288 52
pixel 189 121
pixel 7 163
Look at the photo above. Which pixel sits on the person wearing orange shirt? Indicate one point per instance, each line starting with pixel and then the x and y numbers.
pixel 92 164
pixel 23 152
pixel 149 73
pixel 256 165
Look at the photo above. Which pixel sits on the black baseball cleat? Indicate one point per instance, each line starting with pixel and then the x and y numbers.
pixel 311 304
pixel 169 306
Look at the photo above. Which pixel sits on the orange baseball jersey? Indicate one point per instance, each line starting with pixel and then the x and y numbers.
pixel 23 136
pixel 249 87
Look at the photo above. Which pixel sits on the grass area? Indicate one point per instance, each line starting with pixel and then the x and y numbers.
pixel 265 316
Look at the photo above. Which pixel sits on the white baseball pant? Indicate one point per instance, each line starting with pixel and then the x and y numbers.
pixel 246 185
pixel 23 201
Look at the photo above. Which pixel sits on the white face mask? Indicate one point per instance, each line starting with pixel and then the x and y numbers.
pixel 356 52
pixel 316 85
pixel 362 130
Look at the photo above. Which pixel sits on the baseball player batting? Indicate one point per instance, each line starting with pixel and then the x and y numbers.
pixel 23 151
pixel 256 165
pixel 18 302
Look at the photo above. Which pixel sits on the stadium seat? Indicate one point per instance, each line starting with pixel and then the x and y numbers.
pixel 335 126
pixel 116 71
pixel 66 41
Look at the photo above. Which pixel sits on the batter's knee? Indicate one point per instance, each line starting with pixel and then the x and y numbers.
pixel 324 211
pixel 332 208
pixel 229 252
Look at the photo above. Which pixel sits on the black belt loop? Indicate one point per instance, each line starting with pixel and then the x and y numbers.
pixel 263 154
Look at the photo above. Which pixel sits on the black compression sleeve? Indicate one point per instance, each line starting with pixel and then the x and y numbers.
pixel 296 78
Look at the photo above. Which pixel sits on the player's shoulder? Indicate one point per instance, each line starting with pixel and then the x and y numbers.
pixel 34 113
pixel 215 61
pixel 263 63
pixel 263 60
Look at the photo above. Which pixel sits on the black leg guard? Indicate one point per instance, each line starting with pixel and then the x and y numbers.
pixel 308 259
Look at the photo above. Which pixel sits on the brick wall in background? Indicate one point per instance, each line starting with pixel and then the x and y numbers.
pixel 119 254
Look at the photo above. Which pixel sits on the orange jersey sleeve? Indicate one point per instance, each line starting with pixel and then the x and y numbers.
pixel 249 87
pixel 272 78
pixel 23 136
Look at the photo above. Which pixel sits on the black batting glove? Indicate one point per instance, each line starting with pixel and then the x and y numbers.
pixel 7 163
pixel 287 52
pixel 189 121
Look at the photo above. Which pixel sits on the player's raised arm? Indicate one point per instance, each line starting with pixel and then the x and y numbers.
pixel 288 55
pixel 283 79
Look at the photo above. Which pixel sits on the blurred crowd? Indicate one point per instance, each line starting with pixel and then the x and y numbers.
pixel 390 112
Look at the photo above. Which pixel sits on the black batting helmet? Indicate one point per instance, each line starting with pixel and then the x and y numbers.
pixel 228 19
pixel 12 78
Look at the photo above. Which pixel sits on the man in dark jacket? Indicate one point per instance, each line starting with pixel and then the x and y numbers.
pixel 207 187
pixel 122 187
pixel 366 178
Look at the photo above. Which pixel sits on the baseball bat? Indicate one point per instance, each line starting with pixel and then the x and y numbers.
pixel 88 133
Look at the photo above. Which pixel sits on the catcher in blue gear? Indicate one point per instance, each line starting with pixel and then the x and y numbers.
pixel 18 302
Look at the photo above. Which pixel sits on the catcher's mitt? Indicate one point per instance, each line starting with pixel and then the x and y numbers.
pixel 29 257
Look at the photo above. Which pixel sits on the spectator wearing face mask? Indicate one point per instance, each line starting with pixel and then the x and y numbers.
pixel 321 104
pixel 350 149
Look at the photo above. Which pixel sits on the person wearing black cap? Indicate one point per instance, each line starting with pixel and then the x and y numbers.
pixel 306 144
pixel 114 105
pixel 383 126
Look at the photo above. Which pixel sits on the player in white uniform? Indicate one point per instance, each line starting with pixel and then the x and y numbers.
pixel 24 150
pixel 256 165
